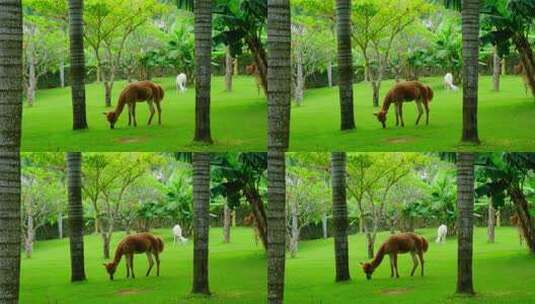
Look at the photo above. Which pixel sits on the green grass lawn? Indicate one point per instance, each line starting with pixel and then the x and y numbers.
pixel 238 121
pixel 504 272
pixel 506 121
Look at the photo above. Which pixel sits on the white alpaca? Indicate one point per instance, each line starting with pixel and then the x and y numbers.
pixel 442 231
pixel 181 82
pixel 448 82
pixel 177 234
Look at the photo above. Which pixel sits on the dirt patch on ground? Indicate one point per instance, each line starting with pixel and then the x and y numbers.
pixel 129 292
pixel 400 140
pixel 131 140
pixel 393 291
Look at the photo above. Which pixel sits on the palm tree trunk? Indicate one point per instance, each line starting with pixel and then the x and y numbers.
pixel 345 63
pixel 76 34
pixel 10 125
pixel 341 248
pixel 201 221
pixel 276 217
pixel 470 29
pixel 279 74
pixel 465 225
pixel 203 69
pixel 76 215
pixel 525 219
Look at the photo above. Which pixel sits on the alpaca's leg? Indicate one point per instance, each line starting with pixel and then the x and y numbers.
pixel 134 114
pixel 132 265
pixel 421 256
pixel 391 266
pixel 127 264
pixel 426 106
pixel 414 263
pixel 152 111
pixel 396 265
pixel 129 115
pixel 151 262
pixel 159 108
pixel 401 114
pixel 396 106
pixel 157 258
pixel 420 111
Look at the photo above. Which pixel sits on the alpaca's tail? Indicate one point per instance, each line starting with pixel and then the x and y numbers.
pixel 160 244
pixel 425 244
pixel 430 94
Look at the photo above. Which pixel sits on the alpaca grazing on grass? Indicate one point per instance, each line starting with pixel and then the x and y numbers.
pixel 136 244
pixel 396 244
pixel 448 82
pixel 252 70
pixel 515 220
pixel 442 232
pixel 520 70
pixel 177 235
pixel 181 83
pixel 405 92
pixel 139 91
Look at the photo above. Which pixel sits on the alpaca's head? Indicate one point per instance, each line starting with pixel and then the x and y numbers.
pixel 368 270
pixel 381 117
pixel 111 268
pixel 112 118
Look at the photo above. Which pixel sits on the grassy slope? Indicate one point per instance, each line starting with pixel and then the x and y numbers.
pixel 505 121
pixel 504 273
pixel 238 121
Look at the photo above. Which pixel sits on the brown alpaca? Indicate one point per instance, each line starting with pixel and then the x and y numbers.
pixel 520 70
pixel 405 92
pixel 396 244
pixel 136 244
pixel 252 70
pixel 139 91
pixel 515 220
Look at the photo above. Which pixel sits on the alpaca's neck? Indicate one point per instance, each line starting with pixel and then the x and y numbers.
pixel 118 255
pixel 120 107
pixel 386 105
pixel 378 257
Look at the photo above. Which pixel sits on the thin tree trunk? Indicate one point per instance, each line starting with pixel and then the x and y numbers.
pixel 528 60
pixel 345 63
pixel 525 219
pixel 279 74
pixel 76 215
pixel 106 239
pixel 324 226
pixel 470 30
pixel 62 73
pixel 10 124
pixel 330 74
pixel 228 69
pixel 60 226
pixel 491 223
pixel 201 221
pixel 465 225
pixel 341 246
pixel 257 207
pixel 294 230
pixel 77 68
pixel 370 244
pixel 108 88
pixel 300 80
pixel 496 70
pixel 276 216
pixel 30 235
pixel 32 80
pixel 226 223
pixel 203 68
pixel 375 87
